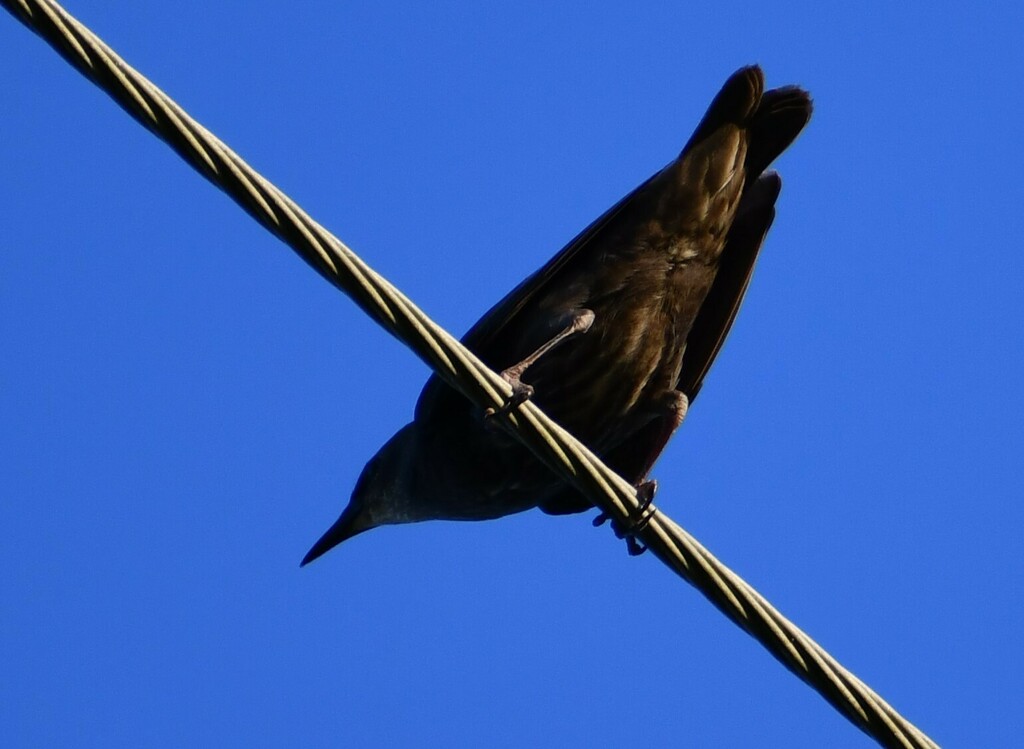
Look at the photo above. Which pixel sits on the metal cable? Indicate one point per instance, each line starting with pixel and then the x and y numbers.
pixel 463 371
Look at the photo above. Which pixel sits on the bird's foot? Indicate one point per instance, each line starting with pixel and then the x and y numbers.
pixel 578 322
pixel 521 392
pixel 645 492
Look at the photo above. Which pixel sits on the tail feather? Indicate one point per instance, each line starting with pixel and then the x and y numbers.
pixel 735 103
pixel 770 121
pixel 781 115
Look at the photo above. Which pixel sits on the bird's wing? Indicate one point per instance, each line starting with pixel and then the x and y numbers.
pixel 485 337
pixel 781 115
pixel 500 334
pixel 736 266
pixel 632 457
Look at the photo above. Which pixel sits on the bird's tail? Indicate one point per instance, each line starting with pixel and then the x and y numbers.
pixel 779 118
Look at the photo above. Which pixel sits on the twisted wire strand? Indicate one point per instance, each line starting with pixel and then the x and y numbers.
pixel 463 371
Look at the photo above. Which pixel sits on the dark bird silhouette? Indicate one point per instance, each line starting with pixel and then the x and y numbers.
pixel 612 338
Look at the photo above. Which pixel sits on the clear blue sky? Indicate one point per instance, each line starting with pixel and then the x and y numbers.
pixel 186 405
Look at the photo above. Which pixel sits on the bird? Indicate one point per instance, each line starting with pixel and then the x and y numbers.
pixel 612 337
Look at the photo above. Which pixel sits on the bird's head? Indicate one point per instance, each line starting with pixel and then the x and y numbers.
pixel 382 495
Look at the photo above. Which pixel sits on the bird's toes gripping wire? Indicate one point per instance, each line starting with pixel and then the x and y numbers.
pixel 645 492
pixel 521 392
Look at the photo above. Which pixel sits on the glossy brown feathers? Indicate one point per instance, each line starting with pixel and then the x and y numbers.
pixel 663 271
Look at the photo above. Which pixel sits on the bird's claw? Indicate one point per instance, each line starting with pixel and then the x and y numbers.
pixel 521 392
pixel 645 492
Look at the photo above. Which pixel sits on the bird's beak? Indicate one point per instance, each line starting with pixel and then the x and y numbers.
pixel 350 524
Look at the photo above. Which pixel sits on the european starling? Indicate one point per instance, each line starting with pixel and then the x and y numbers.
pixel 612 338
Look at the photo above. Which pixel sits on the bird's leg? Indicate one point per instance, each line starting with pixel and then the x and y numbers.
pixel 521 392
pixel 675 407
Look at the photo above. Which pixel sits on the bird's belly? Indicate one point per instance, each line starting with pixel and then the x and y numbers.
pixel 606 384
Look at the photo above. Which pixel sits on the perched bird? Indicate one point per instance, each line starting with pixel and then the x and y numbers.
pixel 612 338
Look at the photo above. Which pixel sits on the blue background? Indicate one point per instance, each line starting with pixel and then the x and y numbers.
pixel 186 406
